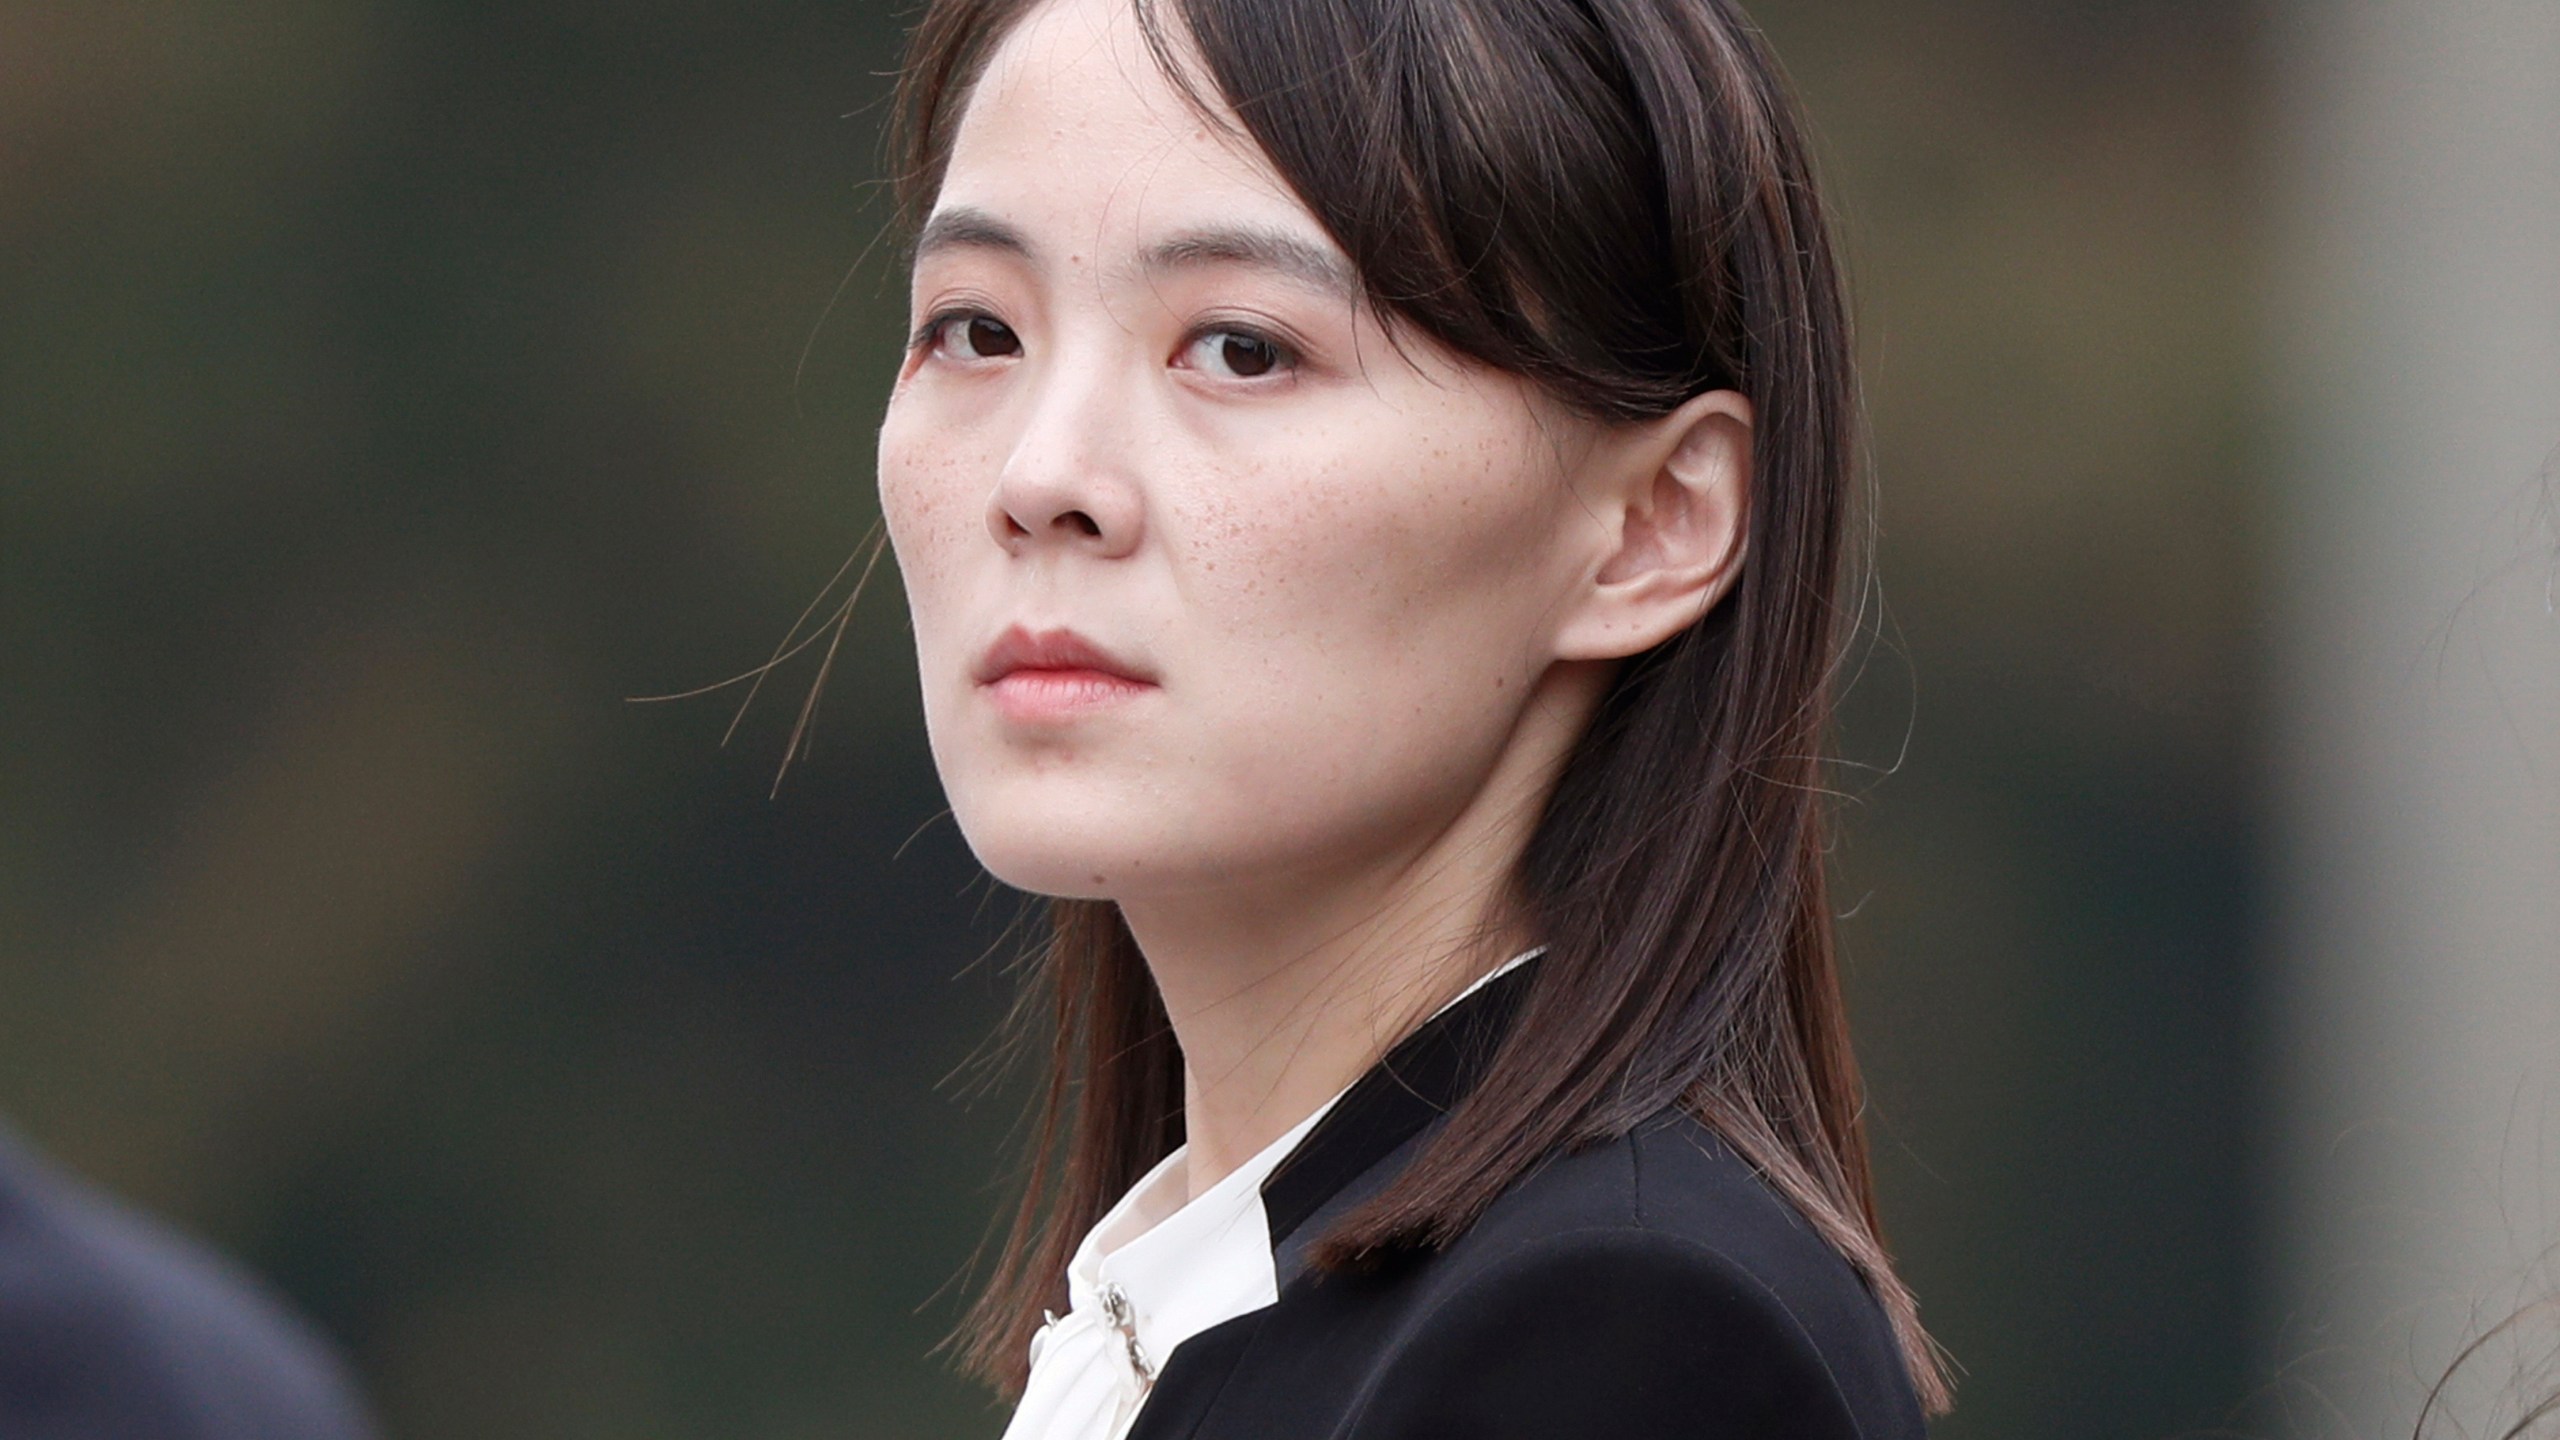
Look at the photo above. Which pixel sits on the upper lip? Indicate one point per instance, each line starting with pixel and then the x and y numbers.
pixel 1060 649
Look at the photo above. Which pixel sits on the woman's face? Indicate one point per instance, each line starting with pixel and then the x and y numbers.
pixel 1213 583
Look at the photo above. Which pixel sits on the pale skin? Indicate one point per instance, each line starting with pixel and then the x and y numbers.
pixel 1366 593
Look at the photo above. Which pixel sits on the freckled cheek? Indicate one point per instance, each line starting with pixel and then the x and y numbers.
pixel 932 506
pixel 1264 561
pixel 1366 556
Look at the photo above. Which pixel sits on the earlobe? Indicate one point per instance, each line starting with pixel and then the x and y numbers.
pixel 1678 489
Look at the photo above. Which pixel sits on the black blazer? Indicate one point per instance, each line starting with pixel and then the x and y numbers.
pixel 112 1328
pixel 1643 1290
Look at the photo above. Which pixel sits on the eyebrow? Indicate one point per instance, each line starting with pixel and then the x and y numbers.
pixel 1259 248
pixel 965 227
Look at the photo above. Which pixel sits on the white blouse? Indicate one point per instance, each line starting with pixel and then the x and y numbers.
pixel 1151 1274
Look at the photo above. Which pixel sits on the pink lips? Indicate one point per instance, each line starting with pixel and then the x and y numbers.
pixel 1054 675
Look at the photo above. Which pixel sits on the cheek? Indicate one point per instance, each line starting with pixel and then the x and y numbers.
pixel 931 506
pixel 1375 615
pixel 1425 547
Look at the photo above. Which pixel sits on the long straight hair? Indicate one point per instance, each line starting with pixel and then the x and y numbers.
pixel 1612 198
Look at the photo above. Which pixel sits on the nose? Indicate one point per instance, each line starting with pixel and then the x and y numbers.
pixel 1067 485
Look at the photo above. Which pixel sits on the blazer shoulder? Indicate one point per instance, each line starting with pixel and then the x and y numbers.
pixel 1652 1286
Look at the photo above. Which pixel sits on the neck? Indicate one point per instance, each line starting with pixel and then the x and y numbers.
pixel 1282 994
pixel 1273 1026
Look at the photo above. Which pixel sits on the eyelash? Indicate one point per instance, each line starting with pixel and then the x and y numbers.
pixel 1287 357
pixel 928 333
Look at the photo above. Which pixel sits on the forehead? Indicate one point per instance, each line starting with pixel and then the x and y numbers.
pixel 1074 126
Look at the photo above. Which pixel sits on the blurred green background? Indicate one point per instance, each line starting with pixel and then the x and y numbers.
pixel 388 388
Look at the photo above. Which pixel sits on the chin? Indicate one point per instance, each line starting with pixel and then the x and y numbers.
pixel 1108 832
pixel 1070 851
pixel 1038 865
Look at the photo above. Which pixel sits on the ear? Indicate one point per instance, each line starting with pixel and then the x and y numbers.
pixel 1672 495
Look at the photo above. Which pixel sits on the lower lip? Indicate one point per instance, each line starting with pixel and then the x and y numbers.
pixel 1036 695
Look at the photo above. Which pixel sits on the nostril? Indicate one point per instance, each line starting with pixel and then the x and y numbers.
pixel 1018 521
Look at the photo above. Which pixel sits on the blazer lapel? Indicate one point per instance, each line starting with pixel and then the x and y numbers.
pixel 1360 1146
pixel 1377 1127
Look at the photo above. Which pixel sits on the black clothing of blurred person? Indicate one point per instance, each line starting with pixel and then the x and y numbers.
pixel 113 1328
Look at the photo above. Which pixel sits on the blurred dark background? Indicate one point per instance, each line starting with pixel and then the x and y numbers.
pixel 389 388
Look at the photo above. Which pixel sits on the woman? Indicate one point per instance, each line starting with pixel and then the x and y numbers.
pixel 1370 480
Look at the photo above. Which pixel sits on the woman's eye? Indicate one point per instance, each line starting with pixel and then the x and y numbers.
pixel 1239 353
pixel 976 337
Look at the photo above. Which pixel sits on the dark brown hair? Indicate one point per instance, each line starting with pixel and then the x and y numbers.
pixel 1612 198
pixel 2528 1339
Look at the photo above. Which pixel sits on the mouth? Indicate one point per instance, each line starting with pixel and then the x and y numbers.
pixel 1036 675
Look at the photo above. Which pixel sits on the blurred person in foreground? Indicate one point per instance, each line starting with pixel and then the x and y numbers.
pixel 114 1328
